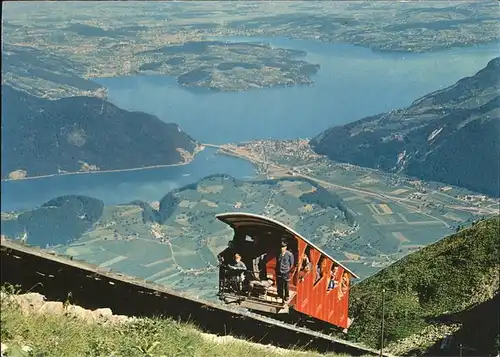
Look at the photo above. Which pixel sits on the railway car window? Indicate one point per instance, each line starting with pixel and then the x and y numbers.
pixel 332 283
pixel 344 285
pixel 345 282
pixel 306 260
pixel 305 263
pixel 319 269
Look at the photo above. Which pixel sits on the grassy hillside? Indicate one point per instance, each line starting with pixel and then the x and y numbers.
pixel 50 329
pixel 445 289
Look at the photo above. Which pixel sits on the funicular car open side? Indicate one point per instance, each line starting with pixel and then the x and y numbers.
pixel 319 285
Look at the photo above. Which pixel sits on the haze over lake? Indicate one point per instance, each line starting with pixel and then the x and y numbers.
pixel 353 82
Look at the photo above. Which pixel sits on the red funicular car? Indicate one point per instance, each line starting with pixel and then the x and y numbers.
pixel 319 285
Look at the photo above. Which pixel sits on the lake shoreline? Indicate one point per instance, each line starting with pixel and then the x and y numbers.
pixel 196 151
pixel 348 75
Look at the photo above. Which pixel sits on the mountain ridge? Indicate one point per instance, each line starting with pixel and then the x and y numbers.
pixel 44 137
pixel 450 135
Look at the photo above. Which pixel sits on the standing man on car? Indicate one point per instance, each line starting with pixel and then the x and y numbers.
pixel 285 264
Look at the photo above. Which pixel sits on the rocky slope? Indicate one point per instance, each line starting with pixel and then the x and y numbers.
pixel 451 135
pixel 30 303
pixel 44 137
pixel 450 288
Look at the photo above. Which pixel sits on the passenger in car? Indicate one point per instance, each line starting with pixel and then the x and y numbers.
pixel 332 284
pixel 305 267
pixel 306 264
pixel 239 266
pixel 318 272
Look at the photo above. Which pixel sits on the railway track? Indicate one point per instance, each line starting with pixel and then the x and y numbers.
pixel 55 275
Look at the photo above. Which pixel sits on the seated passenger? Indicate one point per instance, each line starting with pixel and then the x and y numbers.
pixel 306 264
pixel 238 266
pixel 304 267
pixel 332 284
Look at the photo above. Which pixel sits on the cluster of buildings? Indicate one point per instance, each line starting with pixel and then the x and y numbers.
pixel 156 232
pixel 298 149
pixel 473 198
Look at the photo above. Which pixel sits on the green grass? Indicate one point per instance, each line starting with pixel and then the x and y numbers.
pixel 445 279
pixel 61 335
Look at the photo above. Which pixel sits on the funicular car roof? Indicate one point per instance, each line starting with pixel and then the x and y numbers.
pixel 238 219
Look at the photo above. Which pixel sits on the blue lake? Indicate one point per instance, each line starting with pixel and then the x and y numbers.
pixel 353 82
pixel 122 187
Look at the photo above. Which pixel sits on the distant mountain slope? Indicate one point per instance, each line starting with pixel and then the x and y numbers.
pixel 45 74
pixel 58 221
pixel 45 137
pixel 448 288
pixel 451 136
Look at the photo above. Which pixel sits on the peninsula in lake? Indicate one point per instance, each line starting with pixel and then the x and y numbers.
pixel 55 58
pixel 119 39
pixel 82 134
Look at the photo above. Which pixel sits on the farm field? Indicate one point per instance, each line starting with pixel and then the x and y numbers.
pixel 364 232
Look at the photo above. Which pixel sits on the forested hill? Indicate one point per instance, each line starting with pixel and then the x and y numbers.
pixel 42 137
pixel 451 135
pixel 449 288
